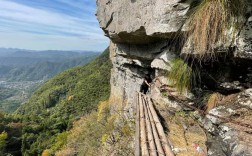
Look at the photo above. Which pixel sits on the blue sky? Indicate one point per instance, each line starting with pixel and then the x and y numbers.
pixel 50 25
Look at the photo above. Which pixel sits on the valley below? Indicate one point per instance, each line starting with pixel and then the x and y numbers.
pixel 14 93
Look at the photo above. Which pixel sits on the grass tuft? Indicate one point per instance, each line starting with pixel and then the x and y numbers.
pixel 214 23
pixel 180 75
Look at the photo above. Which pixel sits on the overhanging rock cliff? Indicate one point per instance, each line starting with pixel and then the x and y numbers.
pixel 141 22
pixel 146 36
pixel 141 33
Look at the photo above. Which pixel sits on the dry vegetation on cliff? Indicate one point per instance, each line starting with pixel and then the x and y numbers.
pixel 99 133
pixel 214 23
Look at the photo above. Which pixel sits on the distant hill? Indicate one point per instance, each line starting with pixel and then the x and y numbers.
pixel 12 52
pixel 21 57
pixel 27 65
pixel 6 51
pixel 61 100
pixel 42 70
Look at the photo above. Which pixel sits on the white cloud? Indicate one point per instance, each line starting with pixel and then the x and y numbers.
pixel 32 23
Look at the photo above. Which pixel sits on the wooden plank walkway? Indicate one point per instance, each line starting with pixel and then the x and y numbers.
pixel 150 138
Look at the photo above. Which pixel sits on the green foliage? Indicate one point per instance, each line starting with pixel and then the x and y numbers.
pixel 180 75
pixel 52 109
pixel 10 135
pixel 60 141
pixel 6 103
pixel 3 137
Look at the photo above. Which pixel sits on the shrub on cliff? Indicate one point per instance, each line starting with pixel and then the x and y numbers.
pixel 180 75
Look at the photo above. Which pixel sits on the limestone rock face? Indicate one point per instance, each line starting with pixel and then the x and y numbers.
pixel 141 21
pixel 130 64
pixel 244 41
pixel 146 36
pixel 162 61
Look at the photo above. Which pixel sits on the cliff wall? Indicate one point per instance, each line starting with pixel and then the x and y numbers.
pixel 146 35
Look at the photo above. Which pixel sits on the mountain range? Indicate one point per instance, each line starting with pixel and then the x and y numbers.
pixel 28 65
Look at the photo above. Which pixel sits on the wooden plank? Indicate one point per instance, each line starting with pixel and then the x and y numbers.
pixel 162 136
pixel 160 150
pixel 137 133
pixel 144 147
pixel 152 149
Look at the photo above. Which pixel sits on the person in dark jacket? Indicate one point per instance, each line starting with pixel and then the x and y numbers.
pixel 146 84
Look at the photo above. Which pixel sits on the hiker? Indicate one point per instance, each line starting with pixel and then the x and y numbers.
pixel 146 84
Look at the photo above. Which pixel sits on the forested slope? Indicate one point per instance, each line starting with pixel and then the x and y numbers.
pixel 61 100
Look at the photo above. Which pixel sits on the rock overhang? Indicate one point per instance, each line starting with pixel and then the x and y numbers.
pixel 142 22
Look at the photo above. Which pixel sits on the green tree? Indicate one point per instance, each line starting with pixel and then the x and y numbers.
pixel 3 137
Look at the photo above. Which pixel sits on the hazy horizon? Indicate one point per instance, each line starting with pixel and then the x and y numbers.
pixel 32 50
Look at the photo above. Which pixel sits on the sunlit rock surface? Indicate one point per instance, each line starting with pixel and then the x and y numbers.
pixel 145 37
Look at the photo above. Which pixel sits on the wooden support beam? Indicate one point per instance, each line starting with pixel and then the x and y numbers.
pixel 162 136
pixel 152 149
pixel 144 147
pixel 155 133
pixel 137 133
